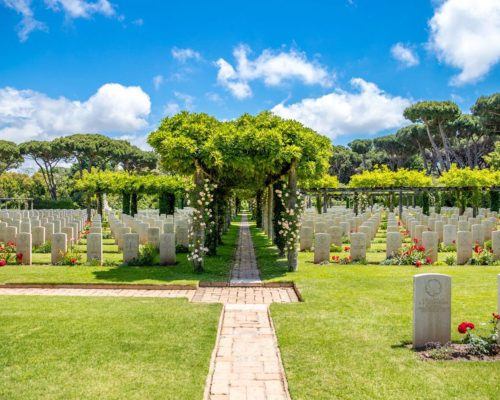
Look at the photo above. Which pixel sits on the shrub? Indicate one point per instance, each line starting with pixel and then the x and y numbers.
pixel 148 255
pixel 47 204
pixel 43 248
pixel 70 258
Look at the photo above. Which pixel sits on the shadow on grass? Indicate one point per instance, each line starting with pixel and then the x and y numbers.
pixel 270 264
pixel 217 268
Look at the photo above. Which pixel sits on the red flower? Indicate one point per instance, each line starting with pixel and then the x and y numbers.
pixel 453 241
pixel 73 260
pixel 421 248
pixel 496 316
pixel 477 249
pixel 19 256
pixel 11 243
pixel 2 262
pixel 428 260
pixel 347 248
pixel 415 240
pixel 2 249
pixel 418 263
pixel 465 326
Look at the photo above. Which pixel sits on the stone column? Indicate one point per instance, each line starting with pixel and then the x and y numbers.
pixel 94 247
pixel 431 309
pixel 321 248
pixel 464 247
pixel 23 246
pixel 59 247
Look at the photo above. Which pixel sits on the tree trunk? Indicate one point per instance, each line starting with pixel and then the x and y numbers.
pixel 133 204
pixel 258 209
pixel 437 152
pixel 99 204
pixel 126 203
pixel 292 255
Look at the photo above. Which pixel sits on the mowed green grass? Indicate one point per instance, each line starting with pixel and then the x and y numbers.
pixel 104 348
pixel 217 268
pixel 346 340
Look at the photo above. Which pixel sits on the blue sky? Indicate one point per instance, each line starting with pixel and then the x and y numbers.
pixel 345 68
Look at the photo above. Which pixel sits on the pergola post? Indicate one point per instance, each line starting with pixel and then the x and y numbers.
pixel 400 205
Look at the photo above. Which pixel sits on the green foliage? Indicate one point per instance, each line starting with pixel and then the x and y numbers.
pixel 10 156
pixel 44 248
pixel 383 177
pixel 493 158
pixel 48 204
pixel 468 177
pixel 148 256
pixel 432 112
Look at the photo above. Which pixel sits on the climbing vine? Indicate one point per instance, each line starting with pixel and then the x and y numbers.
pixel 202 198
pixel 289 222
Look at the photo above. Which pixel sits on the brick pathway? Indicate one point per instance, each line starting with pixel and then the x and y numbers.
pixel 245 265
pixel 246 362
pixel 234 295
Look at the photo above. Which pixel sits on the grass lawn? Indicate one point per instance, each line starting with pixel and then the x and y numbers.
pixel 345 340
pixel 217 268
pixel 104 348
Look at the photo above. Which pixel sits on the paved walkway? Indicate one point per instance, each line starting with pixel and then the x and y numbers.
pixel 245 265
pixel 246 362
pixel 233 295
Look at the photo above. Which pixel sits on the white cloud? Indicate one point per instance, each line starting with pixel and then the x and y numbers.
pixel 82 8
pixel 368 110
pixel 405 55
pixel 27 114
pixel 183 55
pixel 172 108
pixel 466 34
pixel 187 99
pixel 138 22
pixel 28 22
pixel 140 141
pixel 273 68
pixel 158 80
pixel 214 98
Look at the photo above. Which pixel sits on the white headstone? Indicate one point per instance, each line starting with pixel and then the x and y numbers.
pixel 358 246
pixel 431 309
pixel 321 248
pixel 94 247
pixel 464 247
pixel 130 247
pixel 23 247
pixel 430 243
pixel 167 249
pixel 59 247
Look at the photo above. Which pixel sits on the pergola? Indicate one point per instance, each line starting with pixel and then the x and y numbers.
pixel 400 191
